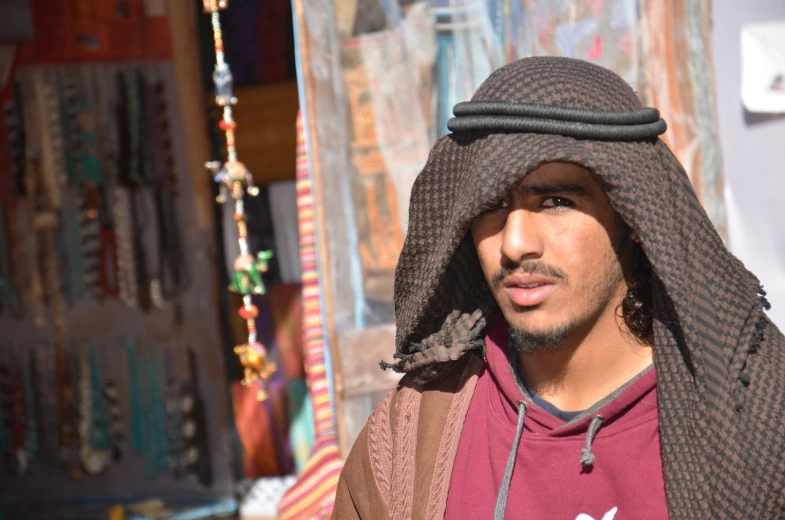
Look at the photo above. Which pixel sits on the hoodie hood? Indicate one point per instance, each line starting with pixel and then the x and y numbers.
pixel 707 311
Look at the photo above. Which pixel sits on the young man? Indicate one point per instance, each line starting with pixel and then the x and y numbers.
pixel 578 343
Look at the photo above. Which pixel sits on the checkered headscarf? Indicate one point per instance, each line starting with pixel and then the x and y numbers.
pixel 720 362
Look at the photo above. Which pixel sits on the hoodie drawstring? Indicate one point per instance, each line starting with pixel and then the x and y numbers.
pixel 587 457
pixel 504 491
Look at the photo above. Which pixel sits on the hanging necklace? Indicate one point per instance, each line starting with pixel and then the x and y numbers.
pixel 108 252
pixel 90 196
pixel 234 180
pixel 131 158
pixel 121 207
pixel 45 179
pixel 112 407
pixel 93 441
pixel 34 200
pixel 174 422
pixel 196 458
pixel 173 269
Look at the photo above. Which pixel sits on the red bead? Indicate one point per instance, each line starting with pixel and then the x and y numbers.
pixel 248 314
pixel 224 125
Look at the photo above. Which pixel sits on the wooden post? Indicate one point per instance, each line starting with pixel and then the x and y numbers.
pixel 185 59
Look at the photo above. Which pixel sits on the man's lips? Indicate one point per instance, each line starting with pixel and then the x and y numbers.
pixel 528 290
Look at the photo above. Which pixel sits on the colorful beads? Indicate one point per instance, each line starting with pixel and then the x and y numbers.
pixel 248 313
pixel 235 181
pixel 227 125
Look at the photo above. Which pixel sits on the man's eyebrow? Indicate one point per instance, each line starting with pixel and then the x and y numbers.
pixel 564 188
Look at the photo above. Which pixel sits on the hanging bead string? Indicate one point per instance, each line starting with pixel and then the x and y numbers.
pixel 173 268
pixel 126 273
pixel 197 454
pixel 90 195
pixel 108 271
pixel 55 180
pixel 72 236
pixel 32 202
pixel 99 427
pixel 93 433
pixel 45 182
pixel 174 424
pixel 126 267
pixel 137 180
pixel 51 145
pixel 111 394
pixel 234 180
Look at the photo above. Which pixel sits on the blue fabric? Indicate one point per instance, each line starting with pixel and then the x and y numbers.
pixel 551 409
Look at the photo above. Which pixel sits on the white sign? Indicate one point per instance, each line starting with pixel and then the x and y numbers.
pixel 763 67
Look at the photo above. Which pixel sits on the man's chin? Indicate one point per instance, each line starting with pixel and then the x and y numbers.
pixel 540 338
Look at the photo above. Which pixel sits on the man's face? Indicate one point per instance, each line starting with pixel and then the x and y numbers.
pixel 549 252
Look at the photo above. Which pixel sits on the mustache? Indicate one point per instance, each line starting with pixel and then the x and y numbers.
pixel 529 267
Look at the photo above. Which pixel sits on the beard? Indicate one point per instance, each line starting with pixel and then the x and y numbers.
pixel 529 342
pixel 597 298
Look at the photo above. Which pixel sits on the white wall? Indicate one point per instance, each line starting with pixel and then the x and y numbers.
pixel 753 149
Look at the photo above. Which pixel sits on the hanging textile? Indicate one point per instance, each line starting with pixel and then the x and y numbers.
pixel 313 493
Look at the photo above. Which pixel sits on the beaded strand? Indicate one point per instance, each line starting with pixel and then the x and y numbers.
pixel 235 180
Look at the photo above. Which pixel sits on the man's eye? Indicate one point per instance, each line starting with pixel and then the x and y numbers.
pixel 502 204
pixel 556 202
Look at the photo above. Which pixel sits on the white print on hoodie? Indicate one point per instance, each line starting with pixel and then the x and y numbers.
pixel 608 516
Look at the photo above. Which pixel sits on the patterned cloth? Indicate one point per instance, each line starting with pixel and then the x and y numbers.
pixel 313 494
pixel 720 361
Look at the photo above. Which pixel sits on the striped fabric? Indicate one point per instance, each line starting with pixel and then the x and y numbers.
pixel 312 495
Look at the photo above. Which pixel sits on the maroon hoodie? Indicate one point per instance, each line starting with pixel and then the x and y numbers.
pixel 556 476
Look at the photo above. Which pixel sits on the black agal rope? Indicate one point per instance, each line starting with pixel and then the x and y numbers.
pixel 502 116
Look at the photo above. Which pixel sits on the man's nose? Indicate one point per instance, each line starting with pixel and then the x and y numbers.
pixel 522 239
